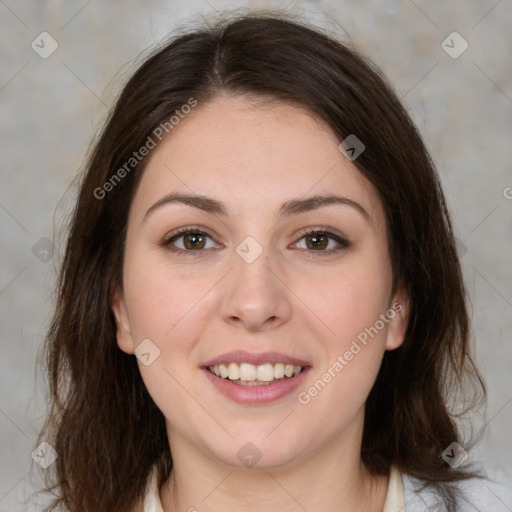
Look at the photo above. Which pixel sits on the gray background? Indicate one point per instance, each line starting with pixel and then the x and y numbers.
pixel 51 108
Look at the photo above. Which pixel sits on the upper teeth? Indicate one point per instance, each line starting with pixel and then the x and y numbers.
pixel 249 372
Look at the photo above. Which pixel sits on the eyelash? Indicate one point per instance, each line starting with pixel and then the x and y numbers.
pixel 343 243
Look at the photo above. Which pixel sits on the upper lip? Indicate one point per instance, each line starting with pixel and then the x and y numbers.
pixel 255 359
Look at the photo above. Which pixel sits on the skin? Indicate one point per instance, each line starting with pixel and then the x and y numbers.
pixel 293 299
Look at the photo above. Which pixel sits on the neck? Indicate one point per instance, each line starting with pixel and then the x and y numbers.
pixel 333 478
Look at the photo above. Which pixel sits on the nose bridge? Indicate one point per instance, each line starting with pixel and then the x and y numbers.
pixel 255 295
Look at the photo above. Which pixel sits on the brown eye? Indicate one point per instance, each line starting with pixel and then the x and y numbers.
pixel 192 241
pixel 319 240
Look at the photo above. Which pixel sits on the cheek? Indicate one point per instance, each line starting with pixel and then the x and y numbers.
pixel 170 311
pixel 351 299
pixel 345 375
pixel 350 305
pixel 161 301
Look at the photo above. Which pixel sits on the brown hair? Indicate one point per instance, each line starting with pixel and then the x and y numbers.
pixel 101 420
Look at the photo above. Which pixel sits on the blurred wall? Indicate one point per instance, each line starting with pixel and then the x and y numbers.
pixel 56 89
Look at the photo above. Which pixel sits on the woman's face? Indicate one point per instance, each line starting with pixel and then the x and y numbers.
pixel 250 290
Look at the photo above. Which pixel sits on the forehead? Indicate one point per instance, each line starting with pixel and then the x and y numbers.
pixel 253 155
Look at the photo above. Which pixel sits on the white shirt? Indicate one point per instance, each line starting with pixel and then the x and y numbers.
pixel 395 497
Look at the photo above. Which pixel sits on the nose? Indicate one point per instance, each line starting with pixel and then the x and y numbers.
pixel 256 296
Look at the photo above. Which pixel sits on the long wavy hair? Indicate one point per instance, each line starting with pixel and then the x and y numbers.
pixel 106 429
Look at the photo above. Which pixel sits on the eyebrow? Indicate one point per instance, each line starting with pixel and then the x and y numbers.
pixel 288 208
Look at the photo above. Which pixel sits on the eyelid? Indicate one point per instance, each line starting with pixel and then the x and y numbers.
pixel 322 229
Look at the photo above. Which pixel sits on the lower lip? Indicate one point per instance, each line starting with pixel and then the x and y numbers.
pixel 256 394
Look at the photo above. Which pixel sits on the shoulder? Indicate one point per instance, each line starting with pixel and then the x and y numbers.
pixel 493 493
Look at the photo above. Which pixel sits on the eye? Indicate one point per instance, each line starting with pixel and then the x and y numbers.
pixel 318 239
pixel 193 240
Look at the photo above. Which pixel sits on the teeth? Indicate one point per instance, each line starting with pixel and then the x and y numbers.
pixel 265 372
pixel 278 370
pixel 249 374
pixel 233 371
pixel 224 372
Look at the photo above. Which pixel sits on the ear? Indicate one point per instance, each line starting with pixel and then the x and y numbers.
pixel 123 329
pixel 398 314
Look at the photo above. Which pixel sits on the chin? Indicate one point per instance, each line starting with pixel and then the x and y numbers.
pixel 258 452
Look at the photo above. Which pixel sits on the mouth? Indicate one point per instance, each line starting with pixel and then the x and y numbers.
pixel 246 374
pixel 253 379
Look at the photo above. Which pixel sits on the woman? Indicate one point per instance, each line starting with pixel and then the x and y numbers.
pixel 260 304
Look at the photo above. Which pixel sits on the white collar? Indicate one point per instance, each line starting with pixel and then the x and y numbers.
pixel 395 496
